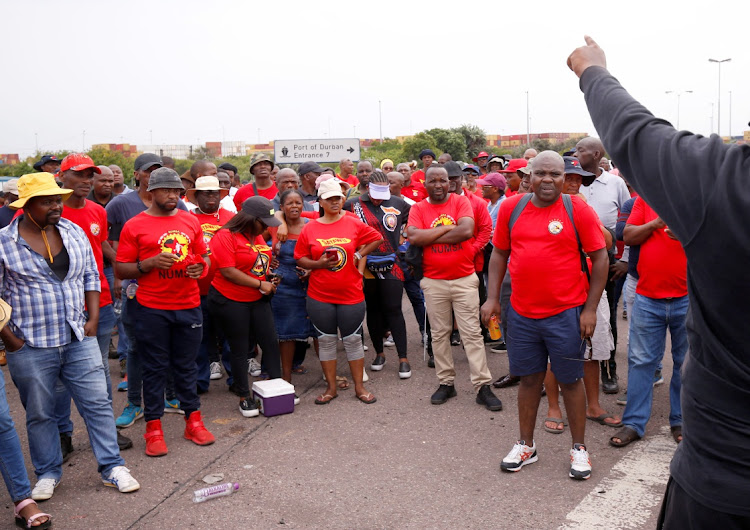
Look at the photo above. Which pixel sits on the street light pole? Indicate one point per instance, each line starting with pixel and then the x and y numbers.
pixel 528 136
pixel 380 118
pixel 679 93
pixel 730 115
pixel 719 61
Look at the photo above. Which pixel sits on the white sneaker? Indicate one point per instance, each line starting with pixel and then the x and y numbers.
pixel 580 463
pixel 215 371
pixel 389 342
pixel 44 489
pixel 519 456
pixel 121 479
pixel 365 377
pixel 364 347
pixel 296 400
pixel 253 367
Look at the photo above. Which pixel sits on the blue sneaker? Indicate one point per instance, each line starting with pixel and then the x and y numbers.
pixel 123 385
pixel 129 415
pixel 173 406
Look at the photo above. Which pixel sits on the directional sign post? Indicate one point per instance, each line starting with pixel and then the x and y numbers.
pixel 326 150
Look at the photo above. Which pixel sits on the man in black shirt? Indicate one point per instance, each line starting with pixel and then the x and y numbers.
pixel 698 186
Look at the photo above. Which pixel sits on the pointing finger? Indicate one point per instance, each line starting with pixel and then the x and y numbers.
pixel 590 41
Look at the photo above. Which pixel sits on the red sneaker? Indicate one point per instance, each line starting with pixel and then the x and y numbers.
pixel 154 436
pixel 196 432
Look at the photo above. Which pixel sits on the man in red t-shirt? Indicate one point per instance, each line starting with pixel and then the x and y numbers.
pixel 164 249
pixel 443 225
pixel 552 307
pixel 77 173
pixel 410 190
pixel 207 196
pixel 427 156
pixel 661 303
pixel 260 168
pixel 346 166
pixel 512 178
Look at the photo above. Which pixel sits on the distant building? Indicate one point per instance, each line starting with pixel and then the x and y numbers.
pixel 128 150
pixel 517 140
pixel 9 160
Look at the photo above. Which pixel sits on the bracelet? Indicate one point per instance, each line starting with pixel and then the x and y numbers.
pixel 357 255
pixel 138 264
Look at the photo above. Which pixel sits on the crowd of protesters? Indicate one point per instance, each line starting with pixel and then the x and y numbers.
pixel 202 277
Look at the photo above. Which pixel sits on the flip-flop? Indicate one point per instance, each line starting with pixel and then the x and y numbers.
pixel 342 382
pixel 601 417
pixel 676 433
pixel 299 370
pixel 325 399
pixel 626 435
pixel 367 399
pixel 556 421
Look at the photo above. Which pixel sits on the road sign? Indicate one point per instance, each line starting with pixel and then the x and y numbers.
pixel 326 150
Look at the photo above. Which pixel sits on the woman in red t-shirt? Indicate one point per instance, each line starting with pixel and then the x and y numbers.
pixel 238 298
pixel 332 247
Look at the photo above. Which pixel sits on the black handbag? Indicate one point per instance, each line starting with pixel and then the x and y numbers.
pixel 413 259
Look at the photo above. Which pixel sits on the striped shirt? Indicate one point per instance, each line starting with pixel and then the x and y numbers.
pixel 45 309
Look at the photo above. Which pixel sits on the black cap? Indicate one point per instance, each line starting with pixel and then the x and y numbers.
pixel 427 152
pixel 309 167
pixel 44 160
pixel 573 165
pixel 227 165
pixel 453 169
pixel 147 160
pixel 262 209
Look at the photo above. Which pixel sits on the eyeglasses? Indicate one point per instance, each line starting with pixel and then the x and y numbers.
pixel 588 351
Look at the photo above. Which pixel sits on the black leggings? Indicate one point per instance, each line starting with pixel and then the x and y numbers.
pixel 240 322
pixel 383 298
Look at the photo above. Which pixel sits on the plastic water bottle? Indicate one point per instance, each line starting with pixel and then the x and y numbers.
pixel 212 492
pixel 117 306
pixel 131 289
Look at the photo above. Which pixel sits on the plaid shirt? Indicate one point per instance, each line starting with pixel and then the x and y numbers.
pixel 45 309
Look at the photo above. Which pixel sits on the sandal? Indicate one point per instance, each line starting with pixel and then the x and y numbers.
pixel 367 399
pixel 626 435
pixel 601 420
pixel 676 433
pixel 28 523
pixel 299 369
pixel 342 382
pixel 556 421
pixel 325 399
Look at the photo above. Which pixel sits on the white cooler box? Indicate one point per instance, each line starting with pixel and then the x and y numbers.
pixel 274 397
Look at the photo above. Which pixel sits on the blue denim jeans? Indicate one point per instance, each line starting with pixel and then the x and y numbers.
pixel 650 318
pixel 62 396
pixel 122 340
pixel 11 458
pixel 416 297
pixel 78 365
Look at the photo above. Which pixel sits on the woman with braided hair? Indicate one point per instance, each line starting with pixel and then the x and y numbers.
pixel 384 279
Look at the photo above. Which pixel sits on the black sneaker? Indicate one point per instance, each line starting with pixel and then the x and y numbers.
pixel 500 347
pixel 506 381
pixel 488 399
pixel 404 370
pixel 455 338
pixel 66 445
pixel 378 363
pixel 248 408
pixel 123 442
pixel 431 361
pixel 443 394
pixel 609 378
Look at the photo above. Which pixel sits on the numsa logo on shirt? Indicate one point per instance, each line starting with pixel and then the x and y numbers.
pixel 175 242
pixel 95 229
pixel 443 220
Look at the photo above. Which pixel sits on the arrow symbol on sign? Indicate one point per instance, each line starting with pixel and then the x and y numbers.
pixel 350 150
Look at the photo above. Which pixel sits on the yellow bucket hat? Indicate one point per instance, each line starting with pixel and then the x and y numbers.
pixel 37 185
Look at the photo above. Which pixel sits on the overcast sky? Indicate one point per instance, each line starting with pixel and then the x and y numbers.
pixel 189 72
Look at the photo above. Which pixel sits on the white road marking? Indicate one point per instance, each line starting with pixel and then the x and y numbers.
pixel 633 490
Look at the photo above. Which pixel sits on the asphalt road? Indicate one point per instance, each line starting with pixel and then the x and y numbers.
pixel 399 463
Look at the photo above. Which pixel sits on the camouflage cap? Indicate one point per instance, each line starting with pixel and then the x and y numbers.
pixel 258 158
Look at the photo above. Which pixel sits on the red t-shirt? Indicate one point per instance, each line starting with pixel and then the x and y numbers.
pixel 247 191
pixel 145 236
pixel 418 177
pixel 545 264
pixel 482 229
pixel 445 261
pixel 343 283
pixel 352 180
pixel 249 255
pixel 92 218
pixel 210 223
pixel 662 265
pixel 510 193
pixel 417 193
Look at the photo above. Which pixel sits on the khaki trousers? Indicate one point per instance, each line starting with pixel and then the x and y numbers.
pixel 460 297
